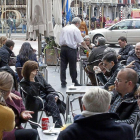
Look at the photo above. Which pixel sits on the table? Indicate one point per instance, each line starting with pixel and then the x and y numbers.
pixel 82 58
pixel 79 90
pixel 47 137
pixel 42 67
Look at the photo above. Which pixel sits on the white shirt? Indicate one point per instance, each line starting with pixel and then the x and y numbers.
pixel 70 36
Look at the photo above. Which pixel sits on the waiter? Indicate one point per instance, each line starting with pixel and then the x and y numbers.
pixel 69 38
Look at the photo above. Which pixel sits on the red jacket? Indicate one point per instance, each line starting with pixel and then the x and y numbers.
pixel 18 107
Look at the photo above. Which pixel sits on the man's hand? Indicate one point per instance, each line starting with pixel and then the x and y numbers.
pixel 26 115
pixel 56 98
pixel 13 96
pixel 130 65
pixel 97 69
pixel 119 57
pixel 32 76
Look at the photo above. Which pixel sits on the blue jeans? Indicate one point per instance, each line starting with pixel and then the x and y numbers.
pixel 14 27
pixel 23 28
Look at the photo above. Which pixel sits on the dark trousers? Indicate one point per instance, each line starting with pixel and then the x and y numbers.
pixel 26 134
pixel 50 106
pixel 68 56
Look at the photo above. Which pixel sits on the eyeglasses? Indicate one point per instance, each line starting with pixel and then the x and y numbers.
pixel 119 81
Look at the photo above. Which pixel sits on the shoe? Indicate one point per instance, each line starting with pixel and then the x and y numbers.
pixel 63 85
pixel 31 39
pixel 77 84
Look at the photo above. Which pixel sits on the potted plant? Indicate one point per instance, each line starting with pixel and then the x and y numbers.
pixel 49 51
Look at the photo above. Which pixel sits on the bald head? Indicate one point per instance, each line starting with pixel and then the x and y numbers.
pixel 138 44
pixel 130 75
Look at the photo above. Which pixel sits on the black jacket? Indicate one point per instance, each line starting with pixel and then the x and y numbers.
pixel 128 108
pixel 97 127
pixel 96 53
pixel 5 54
pixel 137 126
pixel 110 81
pixel 38 88
pixel 125 51
pixel 132 57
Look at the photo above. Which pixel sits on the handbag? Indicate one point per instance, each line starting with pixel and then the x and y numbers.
pixel 62 106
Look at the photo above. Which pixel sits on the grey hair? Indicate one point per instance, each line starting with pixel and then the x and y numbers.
pixel 86 37
pixel 76 20
pixel 109 50
pixel 101 41
pixel 97 100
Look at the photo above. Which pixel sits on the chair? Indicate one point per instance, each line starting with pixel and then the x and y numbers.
pixel 123 62
pixel 24 94
pixel 19 69
pixel 90 70
pixel 80 104
pixel 56 49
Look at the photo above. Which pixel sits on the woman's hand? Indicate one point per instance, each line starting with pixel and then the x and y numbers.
pixel 32 75
pixel 14 96
pixel 26 115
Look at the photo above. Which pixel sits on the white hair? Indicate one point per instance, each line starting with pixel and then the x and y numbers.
pixel 76 20
pixel 86 37
pixel 96 100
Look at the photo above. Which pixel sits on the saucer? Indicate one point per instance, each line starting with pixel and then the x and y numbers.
pixel 52 132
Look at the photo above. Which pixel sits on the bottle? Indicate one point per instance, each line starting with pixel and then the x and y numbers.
pixel 40 59
pixel 69 121
pixel 87 54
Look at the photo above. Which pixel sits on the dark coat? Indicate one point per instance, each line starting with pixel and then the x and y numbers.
pixel 97 127
pixel 20 62
pixel 18 107
pixel 137 126
pixel 5 54
pixel 125 51
pixel 38 88
pixel 113 74
pixel 128 108
pixel 96 53
pixel 132 57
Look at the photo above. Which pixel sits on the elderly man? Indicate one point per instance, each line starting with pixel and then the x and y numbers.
pixel 111 65
pixel 125 48
pixel 96 54
pixel 134 55
pixel 124 102
pixel 69 38
pixel 96 123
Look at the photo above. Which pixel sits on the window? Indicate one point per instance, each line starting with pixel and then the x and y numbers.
pixel 136 24
pixel 123 25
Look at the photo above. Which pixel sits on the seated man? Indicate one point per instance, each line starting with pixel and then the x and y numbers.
pixel 96 123
pixel 125 48
pixel 111 65
pixel 134 55
pixel 96 54
pixel 123 102
pixel 6 52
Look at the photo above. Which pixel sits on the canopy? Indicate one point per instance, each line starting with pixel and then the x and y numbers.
pixel 57 13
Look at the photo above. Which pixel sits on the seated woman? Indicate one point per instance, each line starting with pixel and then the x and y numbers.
pixel 35 85
pixel 21 116
pixel 26 53
pixel 3 40
pixel 7 117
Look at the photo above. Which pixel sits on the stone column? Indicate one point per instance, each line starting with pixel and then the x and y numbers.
pixel 107 10
pixel 15 2
pixel 115 12
pixel 92 10
pixel 85 9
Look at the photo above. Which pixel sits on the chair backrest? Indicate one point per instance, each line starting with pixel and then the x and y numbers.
pixel 56 49
pixel 123 62
pixel 80 104
pixel 19 69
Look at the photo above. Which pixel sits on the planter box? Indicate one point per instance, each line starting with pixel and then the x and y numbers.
pixel 51 59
